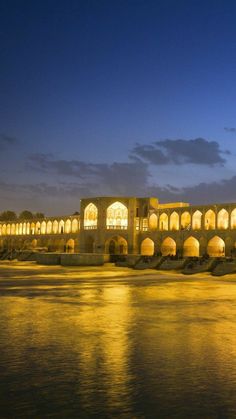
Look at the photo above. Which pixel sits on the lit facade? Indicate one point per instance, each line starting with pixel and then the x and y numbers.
pixel 121 225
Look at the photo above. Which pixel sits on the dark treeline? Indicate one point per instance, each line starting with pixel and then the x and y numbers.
pixel 24 215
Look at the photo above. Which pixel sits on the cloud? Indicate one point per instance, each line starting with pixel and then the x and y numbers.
pixel 198 151
pixel 6 140
pixel 228 129
pixel 115 178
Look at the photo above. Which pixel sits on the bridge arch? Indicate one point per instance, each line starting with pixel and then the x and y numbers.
pixel 74 225
pixel 216 247
pixel 233 218
pixel 163 222
pixel 116 245
pixel 185 220
pixel 55 227
pixel 191 247
pixel 68 226
pixel 174 221
pixel 70 246
pixel 222 219
pixel 197 220
pixel 210 220
pixel 147 247
pixel 153 221
pixel 43 227
pixel 61 226
pixel 168 247
pixel 49 227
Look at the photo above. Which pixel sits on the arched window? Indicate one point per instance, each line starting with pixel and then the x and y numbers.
pixel 117 216
pixel 174 221
pixel 90 217
pixel 223 219
pixel 61 227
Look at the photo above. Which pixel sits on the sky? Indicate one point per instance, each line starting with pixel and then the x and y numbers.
pixel 123 98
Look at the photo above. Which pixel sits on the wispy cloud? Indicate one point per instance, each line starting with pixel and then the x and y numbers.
pixel 230 129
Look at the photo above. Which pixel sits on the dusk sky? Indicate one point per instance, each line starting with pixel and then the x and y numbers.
pixel 132 98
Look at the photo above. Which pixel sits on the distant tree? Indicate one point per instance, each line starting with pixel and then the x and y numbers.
pixel 39 215
pixel 26 215
pixel 8 216
pixel 76 213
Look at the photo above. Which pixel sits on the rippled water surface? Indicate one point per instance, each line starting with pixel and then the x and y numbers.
pixel 125 347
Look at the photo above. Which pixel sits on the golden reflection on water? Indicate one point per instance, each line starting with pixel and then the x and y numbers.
pixel 132 347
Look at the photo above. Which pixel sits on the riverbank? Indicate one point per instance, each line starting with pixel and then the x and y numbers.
pixel 28 271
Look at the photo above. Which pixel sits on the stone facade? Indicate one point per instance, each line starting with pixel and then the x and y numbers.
pixel 130 225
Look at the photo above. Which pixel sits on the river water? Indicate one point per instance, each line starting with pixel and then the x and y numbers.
pixel 125 347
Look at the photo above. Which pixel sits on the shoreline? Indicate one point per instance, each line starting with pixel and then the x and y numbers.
pixel 31 271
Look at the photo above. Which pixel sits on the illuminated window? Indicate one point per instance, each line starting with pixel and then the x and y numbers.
pixel 90 217
pixel 117 216
pixel 145 224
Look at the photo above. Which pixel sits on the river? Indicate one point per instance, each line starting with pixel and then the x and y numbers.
pixel 117 347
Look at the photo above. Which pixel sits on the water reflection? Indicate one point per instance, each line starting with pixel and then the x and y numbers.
pixel 127 348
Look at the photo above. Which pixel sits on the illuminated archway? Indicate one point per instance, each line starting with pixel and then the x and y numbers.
pixel 186 220
pixel 197 220
pixel 61 227
pixel 117 216
pixel 75 226
pixel 43 227
pixel 216 247
pixel 70 246
pixel 55 226
pixel 28 228
pixel 168 247
pixel 49 227
pixel 32 228
pixel 116 245
pixel 147 247
pixel 4 229
pixel 233 219
pixel 174 221
pixel 191 247
pixel 210 220
pixel 37 228
pixel 13 229
pixel 223 219
pixel 153 222
pixel 68 226
pixel 90 216
pixel 163 222
pixel 34 244
pixel 8 229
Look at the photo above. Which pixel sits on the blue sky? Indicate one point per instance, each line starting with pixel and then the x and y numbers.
pixel 116 98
